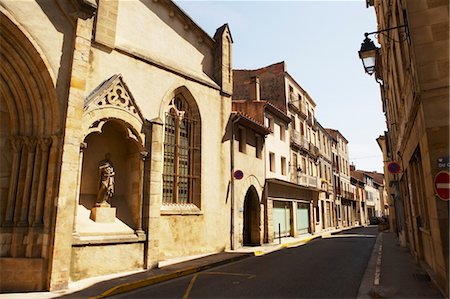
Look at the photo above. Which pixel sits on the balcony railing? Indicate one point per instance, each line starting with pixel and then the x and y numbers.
pixel 297 104
pixel 348 195
pixel 308 181
pixel 314 151
pixel 299 140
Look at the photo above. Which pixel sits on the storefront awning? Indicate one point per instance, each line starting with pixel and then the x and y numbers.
pixel 277 188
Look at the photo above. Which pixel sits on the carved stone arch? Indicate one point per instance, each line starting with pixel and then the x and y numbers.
pixel 113 130
pixel 184 91
pixel 182 139
pixel 250 181
pixel 28 82
pixel 113 100
pixel 30 122
pixel 251 207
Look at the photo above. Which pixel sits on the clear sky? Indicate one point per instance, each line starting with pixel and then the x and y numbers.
pixel 319 41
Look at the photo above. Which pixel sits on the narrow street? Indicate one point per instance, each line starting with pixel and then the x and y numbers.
pixel 330 267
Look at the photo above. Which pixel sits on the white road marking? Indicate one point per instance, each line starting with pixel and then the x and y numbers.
pixel 378 266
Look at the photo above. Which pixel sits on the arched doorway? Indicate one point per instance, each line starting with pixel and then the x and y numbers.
pixel 30 123
pixel 251 229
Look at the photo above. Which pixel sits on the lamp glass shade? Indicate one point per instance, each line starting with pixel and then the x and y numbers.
pixel 367 54
pixel 369 64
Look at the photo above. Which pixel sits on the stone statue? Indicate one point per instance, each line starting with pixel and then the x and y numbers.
pixel 106 190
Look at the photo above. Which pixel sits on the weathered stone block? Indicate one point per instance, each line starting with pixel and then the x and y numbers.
pixel 103 214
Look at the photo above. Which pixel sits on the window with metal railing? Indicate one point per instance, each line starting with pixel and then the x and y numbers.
pixel 181 154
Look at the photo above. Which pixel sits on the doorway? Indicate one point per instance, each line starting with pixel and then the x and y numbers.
pixel 251 229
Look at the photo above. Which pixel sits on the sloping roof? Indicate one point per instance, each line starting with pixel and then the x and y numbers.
pixel 255 109
pixel 334 133
pixel 220 30
pixel 277 111
pixel 357 175
pixel 275 65
pixel 181 13
pixel 376 176
pixel 251 123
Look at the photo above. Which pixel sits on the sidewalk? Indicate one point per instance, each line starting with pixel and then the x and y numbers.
pixel 393 273
pixel 100 287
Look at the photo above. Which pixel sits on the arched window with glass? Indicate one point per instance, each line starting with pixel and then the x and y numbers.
pixel 181 174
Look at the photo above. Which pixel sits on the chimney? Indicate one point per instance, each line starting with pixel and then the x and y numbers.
pixel 352 167
pixel 255 89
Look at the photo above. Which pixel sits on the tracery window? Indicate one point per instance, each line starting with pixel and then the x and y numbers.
pixel 181 174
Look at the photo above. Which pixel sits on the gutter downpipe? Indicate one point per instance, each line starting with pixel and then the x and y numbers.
pixel 233 245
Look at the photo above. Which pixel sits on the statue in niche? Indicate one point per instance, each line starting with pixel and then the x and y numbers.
pixel 106 189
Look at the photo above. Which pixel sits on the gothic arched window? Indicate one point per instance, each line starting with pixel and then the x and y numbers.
pixel 181 175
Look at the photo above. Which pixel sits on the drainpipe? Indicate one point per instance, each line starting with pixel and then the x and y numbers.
pixel 233 245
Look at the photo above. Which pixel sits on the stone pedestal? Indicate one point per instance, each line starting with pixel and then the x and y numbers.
pixel 103 214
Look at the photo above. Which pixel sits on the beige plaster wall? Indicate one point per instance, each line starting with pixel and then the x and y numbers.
pixel 99 260
pixel 149 28
pixel 253 169
pixel 41 28
pixel 151 88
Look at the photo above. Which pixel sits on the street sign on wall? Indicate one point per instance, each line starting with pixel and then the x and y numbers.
pixel 238 174
pixel 393 167
pixel 442 185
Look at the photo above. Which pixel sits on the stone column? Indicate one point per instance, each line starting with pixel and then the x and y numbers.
pixel 152 205
pixel 44 145
pixel 83 146
pixel 17 144
pixel 142 166
pixel 30 144
pixel 66 200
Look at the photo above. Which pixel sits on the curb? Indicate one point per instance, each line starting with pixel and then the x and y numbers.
pixel 130 286
pixel 366 287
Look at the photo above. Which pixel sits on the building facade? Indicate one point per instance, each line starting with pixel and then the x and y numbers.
pixel 290 190
pixel 92 95
pixel 343 190
pixel 412 67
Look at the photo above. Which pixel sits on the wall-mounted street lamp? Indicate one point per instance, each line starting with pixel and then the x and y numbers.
pixel 368 51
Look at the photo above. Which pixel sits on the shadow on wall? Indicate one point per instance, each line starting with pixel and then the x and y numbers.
pixel 123 153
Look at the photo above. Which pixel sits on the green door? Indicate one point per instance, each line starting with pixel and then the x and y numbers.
pixel 281 219
pixel 302 218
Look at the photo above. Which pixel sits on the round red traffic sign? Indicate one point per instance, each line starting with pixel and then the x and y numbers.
pixel 393 167
pixel 238 174
pixel 442 185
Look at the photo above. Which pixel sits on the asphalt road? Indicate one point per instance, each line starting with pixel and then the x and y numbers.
pixel 324 268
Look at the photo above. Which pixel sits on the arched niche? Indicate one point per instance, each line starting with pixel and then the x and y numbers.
pixel 114 130
pixel 113 143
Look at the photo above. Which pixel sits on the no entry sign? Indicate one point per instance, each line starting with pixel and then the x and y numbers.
pixel 393 167
pixel 442 185
pixel 238 174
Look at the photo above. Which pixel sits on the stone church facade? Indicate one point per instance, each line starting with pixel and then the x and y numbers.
pixel 133 84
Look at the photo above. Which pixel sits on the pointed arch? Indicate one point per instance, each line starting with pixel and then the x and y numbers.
pixel 182 148
pixel 112 100
pixel 27 82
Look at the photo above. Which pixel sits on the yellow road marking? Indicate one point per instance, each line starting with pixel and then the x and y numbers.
pixel 194 278
pixel 249 276
pixel 191 284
